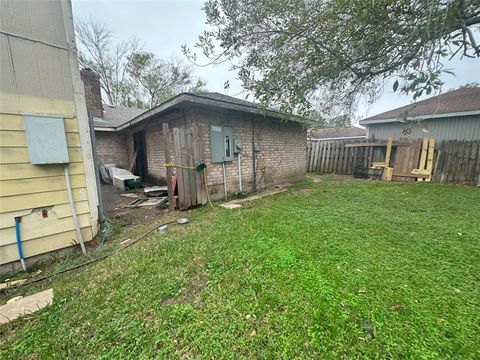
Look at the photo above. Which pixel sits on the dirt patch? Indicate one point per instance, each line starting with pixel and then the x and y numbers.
pixel 115 206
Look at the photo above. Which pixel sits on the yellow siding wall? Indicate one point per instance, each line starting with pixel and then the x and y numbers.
pixel 25 189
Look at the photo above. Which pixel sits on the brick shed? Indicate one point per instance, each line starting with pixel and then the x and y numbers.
pixel 272 151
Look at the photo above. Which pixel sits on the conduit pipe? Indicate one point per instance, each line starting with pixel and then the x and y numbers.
pixel 73 210
pixel 18 220
pixel 224 180
pixel 240 185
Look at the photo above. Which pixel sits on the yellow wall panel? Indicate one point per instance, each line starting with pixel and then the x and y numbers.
pixel 19 155
pixel 10 188
pixel 43 245
pixel 61 211
pixel 32 201
pixel 27 171
pixel 15 122
pixel 16 138
pixel 34 226
pixel 15 104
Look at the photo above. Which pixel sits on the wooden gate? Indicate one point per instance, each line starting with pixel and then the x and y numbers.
pixel 189 152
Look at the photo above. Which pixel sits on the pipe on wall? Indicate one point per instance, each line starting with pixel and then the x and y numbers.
pixel 224 180
pixel 240 185
pixel 18 220
pixel 73 210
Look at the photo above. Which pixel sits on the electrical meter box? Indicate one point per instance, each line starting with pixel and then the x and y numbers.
pixel 221 143
pixel 46 140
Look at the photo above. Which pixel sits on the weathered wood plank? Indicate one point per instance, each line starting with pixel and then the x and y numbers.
pixel 169 170
pixel 452 162
pixel 189 144
pixel 472 159
pixel 179 172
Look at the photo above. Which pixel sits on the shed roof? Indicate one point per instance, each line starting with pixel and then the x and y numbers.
pixel 463 101
pixel 114 116
pixel 337 132
pixel 209 99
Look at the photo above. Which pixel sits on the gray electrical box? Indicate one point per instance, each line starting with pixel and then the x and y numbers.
pixel 46 140
pixel 221 143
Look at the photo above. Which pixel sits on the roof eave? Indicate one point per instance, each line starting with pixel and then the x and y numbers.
pixel 419 117
pixel 201 100
pixel 99 128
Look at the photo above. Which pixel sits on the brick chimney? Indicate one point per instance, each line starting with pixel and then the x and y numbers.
pixel 93 94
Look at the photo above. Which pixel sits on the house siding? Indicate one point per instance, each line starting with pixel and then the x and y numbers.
pixel 454 128
pixel 38 77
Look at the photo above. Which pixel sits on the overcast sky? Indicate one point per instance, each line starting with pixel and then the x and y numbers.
pixel 163 26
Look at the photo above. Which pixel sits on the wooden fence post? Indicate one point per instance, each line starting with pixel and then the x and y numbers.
pixel 169 170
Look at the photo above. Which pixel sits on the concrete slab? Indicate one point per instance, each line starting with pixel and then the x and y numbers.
pixel 236 203
pixel 26 305
pixel 230 206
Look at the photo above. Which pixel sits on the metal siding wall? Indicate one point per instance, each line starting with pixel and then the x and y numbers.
pixel 457 128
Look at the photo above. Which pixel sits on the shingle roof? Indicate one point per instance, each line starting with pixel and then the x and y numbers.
pixel 336 132
pixel 225 98
pixel 455 101
pixel 114 116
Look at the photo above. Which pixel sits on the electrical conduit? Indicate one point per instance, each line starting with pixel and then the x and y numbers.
pixel 73 210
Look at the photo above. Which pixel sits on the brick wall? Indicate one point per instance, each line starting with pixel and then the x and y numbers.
pixel 281 159
pixel 93 95
pixel 112 148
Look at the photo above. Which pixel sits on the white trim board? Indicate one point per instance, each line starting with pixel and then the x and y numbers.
pixel 420 117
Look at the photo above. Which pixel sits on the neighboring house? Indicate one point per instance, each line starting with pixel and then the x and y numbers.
pixel 337 133
pixel 44 134
pixel 272 151
pixel 454 115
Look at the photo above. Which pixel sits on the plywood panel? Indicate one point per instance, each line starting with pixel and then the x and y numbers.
pixel 27 77
pixel 51 73
pixel 19 155
pixel 27 171
pixel 31 248
pixel 16 138
pixel 7 85
pixel 34 226
pixel 29 201
pixel 61 211
pixel 15 122
pixel 36 185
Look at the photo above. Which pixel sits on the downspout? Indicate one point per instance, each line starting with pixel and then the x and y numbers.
pixel 18 220
pixel 73 210
pixel 254 165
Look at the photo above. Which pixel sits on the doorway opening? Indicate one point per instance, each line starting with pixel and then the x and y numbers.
pixel 140 155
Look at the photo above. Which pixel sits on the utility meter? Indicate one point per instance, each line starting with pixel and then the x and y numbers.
pixel 237 146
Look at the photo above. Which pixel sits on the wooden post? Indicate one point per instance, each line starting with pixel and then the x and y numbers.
pixel 166 141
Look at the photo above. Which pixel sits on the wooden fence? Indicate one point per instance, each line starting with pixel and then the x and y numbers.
pixel 454 161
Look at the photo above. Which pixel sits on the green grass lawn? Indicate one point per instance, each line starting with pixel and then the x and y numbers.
pixel 335 269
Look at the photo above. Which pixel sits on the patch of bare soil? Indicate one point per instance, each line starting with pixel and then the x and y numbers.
pixel 116 206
